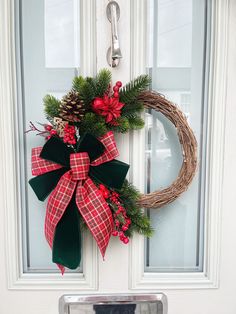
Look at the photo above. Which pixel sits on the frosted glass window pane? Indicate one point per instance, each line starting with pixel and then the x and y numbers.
pixel 61 33
pixel 179 72
pixel 174 33
pixel 35 80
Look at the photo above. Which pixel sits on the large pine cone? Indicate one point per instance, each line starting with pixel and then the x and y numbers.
pixel 72 107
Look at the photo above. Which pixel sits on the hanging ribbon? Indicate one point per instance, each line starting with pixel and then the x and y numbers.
pixel 68 177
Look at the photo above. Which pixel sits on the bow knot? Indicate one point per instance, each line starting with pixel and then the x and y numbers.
pixel 79 164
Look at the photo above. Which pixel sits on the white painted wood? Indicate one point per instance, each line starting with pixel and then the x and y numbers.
pixel 111 278
pixel 215 162
pixel 88 37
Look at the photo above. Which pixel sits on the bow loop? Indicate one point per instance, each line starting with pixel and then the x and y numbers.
pixel 39 165
pixel 111 151
pixel 79 164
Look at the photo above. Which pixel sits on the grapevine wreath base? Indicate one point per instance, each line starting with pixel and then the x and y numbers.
pixel 158 102
pixel 78 171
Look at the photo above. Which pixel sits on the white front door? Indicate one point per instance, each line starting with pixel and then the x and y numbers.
pixel 188 49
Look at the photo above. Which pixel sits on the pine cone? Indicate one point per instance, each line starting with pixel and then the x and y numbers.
pixel 72 107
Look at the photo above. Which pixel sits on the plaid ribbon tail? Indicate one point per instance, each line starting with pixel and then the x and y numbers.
pixel 62 268
pixel 95 212
pixel 58 201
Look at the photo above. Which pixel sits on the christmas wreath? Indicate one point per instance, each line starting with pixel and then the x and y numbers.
pixel 78 170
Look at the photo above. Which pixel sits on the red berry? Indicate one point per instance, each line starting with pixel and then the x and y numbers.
pixel 118 83
pixel 117 223
pixel 53 132
pixel 115 194
pixel 126 240
pixel 48 137
pixel 115 233
pixel 125 228
pixel 48 127
pixel 116 95
pixel 116 89
pixel 121 238
pixel 128 221
pixel 105 194
pixel 102 187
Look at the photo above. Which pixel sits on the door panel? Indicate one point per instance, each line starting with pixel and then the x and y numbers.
pixel 179 70
pixel 49 60
pixel 119 272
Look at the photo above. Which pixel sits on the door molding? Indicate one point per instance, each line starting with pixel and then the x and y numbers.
pixel 9 160
pixel 209 278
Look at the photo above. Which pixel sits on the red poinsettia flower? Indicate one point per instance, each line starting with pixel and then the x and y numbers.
pixel 109 107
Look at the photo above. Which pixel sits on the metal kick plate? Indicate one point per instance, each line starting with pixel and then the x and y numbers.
pixel 113 304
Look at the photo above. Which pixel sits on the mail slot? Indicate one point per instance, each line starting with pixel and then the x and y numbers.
pixel 113 304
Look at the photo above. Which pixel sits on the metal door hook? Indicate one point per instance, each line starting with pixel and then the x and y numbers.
pixel 113 15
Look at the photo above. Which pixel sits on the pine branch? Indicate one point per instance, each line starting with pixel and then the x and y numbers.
pixel 130 92
pixel 128 191
pixel 103 80
pixel 122 127
pixel 140 224
pixel 130 108
pixel 130 196
pixel 87 92
pixel 78 81
pixel 51 106
pixel 93 124
pixel 136 122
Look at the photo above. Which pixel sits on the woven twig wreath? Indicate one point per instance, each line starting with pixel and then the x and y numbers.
pixel 158 102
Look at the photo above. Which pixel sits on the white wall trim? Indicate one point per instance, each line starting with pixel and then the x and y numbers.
pixel 209 278
pixel 10 195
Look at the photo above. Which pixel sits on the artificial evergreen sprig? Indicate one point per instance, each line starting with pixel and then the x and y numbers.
pixel 103 80
pixel 90 88
pixel 130 197
pixel 93 124
pixel 51 106
pixel 133 107
pixel 78 110
pixel 129 93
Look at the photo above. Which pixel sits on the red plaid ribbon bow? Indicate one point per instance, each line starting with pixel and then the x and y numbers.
pixel 89 199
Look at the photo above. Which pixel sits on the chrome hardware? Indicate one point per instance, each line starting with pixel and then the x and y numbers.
pixel 113 15
pixel 130 303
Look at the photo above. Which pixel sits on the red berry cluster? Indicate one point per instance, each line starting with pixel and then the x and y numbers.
pixel 50 130
pixel 69 134
pixel 116 89
pixel 105 192
pixel 122 222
